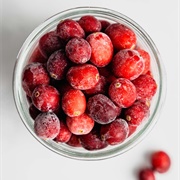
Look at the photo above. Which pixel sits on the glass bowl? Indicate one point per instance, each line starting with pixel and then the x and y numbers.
pixel 143 40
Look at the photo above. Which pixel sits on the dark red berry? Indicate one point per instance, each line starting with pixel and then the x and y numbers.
pixel 80 125
pixel 145 86
pixel 146 174
pixel 47 125
pixel 102 109
pixel 58 65
pixel 83 76
pixel 68 29
pixel 74 102
pixel 132 129
pixel 90 24
pixel 115 132
pixel 33 75
pixel 160 161
pixel 102 49
pixel 33 111
pixel 122 92
pixel 121 36
pixel 74 141
pixel 78 50
pixel 50 43
pixel 46 98
pixel 137 113
pixel 104 24
pixel 128 64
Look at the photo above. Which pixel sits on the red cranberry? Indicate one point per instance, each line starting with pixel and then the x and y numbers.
pixel 115 132
pixel 47 125
pixel 80 125
pixel 145 86
pixel 46 98
pixel 102 49
pixel 121 36
pixel 74 141
pixel 146 174
pixel 160 161
pixel 132 129
pixel 74 102
pixel 33 75
pixel 50 43
pixel 104 24
pixel 68 29
pixel 128 64
pixel 122 92
pixel 58 65
pixel 83 76
pixel 78 50
pixel 90 24
pixel 33 111
pixel 102 109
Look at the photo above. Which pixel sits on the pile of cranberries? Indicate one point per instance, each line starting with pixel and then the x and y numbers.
pixel 88 83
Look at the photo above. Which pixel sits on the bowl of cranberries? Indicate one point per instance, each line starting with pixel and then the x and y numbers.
pixel 89 83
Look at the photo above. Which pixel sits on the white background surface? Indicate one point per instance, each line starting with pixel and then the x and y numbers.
pixel 23 158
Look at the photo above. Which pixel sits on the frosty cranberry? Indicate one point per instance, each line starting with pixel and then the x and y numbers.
pixel 128 64
pixel 74 141
pixel 147 60
pixel 64 133
pixel 102 109
pixel 33 111
pixel 83 76
pixel 68 29
pixel 92 141
pixel 46 98
pixel 160 161
pixel 146 174
pixel 122 92
pixel 50 43
pixel 121 36
pixel 115 132
pixel 100 87
pixel 137 113
pixel 74 102
pixel 80 125
pixel 33 75
pixel 104 25
pixel 90 24
pixel 102 49
pixel 132 129
pixel 57 65
pixel 78 50
pixel 47 125
pixel 145 86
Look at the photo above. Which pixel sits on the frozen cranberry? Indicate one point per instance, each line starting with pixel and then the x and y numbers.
pixel 137 113
pixel 74 102
pixel 37 56
pixel 102 49
pixel 160 161
pixel 132 129
pixel 33 111
pixel 100 87
pixel 78 50
pixel 115 132
pixel 92 141
pixel 47 125
pixel 83 76
pixel 50 43
pixel 58 65
pixel 90 24
pixel 128 64
pixel 104 25
pixel 64 133
pixel 80 125
pixel 121 36
pixel 147 60
pixel 102 109
pixel 74 141
pixel 145 86
pixel 146 174
pixel 46 98
pixel 33 75
pixel 68 29
pixel 122 92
